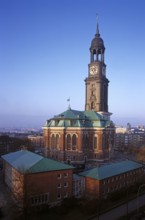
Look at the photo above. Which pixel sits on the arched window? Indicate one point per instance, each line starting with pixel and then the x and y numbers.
pixel 57 141
pixel 68 142
pixel 74 142
pixel 85 140
pixel 53 141
pixel 95 142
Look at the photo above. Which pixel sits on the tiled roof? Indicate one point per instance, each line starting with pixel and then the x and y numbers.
pixel 26 161
pixel 110 170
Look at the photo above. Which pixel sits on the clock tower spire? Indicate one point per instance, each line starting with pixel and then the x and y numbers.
pixel 96 82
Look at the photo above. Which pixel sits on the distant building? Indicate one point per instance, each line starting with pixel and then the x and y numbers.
pixel 36 140
pixel 120 130
pixel 35 180
pixel 128 138
pixel 80 136
pixel 104 180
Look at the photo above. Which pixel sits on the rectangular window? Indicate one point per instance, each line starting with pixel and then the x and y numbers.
pixel 65 175
pixel 40 199
pixel 65 184
pixel 59 176
pixel 59 196
pixel 59 185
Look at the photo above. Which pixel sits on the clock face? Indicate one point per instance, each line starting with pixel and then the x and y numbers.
pixel 93 70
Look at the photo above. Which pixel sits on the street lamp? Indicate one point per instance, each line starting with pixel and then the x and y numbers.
pixel 138 196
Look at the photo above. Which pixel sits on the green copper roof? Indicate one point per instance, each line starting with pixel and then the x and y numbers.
pixel 26 161
pixel 91 115
pixel 114 169
pixel 71 114
pixel 74 118
pixel 46 164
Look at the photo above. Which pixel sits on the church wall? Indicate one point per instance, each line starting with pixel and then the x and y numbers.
pixel 91 144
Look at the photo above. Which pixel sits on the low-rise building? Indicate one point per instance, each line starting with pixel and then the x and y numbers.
pixel 103 180
pixel 36 180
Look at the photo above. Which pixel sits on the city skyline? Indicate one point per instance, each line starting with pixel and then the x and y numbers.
pixel 44 57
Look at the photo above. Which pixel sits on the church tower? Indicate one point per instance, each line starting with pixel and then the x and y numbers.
pixel 96 82
pixel 78 137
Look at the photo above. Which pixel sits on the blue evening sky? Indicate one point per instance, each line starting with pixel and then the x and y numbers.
pixel 44 57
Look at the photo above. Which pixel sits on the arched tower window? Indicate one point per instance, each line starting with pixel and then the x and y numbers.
pixel 92 105
pixel 68 142
pixel 74 142
pixel 94 55
pixel 53 141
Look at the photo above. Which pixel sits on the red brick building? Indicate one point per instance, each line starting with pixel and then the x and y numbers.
pixel 35 180
pixel 76 136
pixel 101 181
